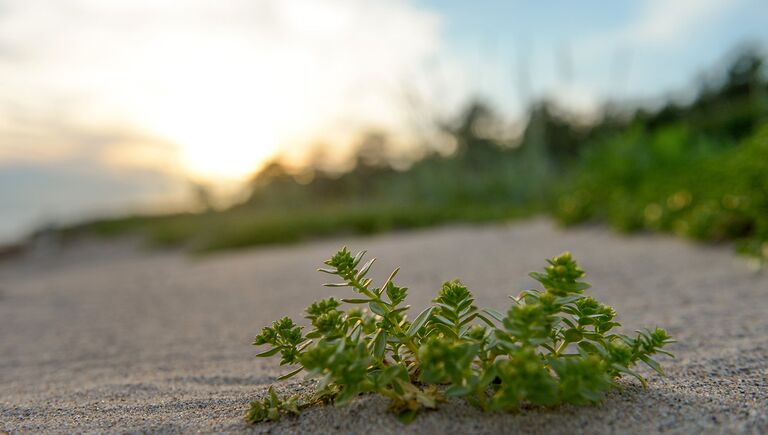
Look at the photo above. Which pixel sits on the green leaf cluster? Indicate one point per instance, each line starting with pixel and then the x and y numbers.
pixel 674 180
pixel 553 345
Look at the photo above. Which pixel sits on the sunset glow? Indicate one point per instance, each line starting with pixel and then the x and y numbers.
pixel 228 86
pixel 115 105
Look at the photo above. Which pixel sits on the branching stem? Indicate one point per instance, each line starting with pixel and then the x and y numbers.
pixel 407 341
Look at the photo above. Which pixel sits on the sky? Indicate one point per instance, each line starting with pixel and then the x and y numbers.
pixel 109 106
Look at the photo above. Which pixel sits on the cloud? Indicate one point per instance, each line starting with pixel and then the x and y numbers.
pixel 52 169
pixel 101 91
pixel 662 22
pixel 657 26
pixel 656 32
pixel 53 134
pixel 241 78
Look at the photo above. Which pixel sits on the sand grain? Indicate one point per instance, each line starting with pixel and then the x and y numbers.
pixel 114 339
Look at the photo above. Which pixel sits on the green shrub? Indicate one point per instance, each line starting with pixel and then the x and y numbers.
pixel 553 345
pixel 705 194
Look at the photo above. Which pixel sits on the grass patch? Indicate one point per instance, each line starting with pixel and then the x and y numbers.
pixel 245 227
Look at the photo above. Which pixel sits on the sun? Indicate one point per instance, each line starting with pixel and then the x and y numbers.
pixel 229 146
pixel 224 131
pixel 225 151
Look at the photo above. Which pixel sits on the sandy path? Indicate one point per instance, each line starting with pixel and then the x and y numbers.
pixel 116 339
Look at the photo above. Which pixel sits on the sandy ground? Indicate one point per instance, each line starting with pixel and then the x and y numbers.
pixel 104 338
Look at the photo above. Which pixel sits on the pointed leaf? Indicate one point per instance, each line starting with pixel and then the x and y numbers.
pixel 652 364
pixel 562 300
pixel 445 329
pixel 380 345
pixel 357 301
pixel 493 313
pixel 419 321
pixel 458 390
pixel 468 319
pixel 486 320
pixel 630 372
pixel 290 374
pixel 443 320
pixel 391 277
pixel 267 353
pixel 364 270
pixel 377 308
pixel 358 257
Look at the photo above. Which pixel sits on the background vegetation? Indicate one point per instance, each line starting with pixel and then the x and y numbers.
pixel 697 168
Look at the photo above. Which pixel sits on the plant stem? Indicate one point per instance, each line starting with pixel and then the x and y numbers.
pixel 481 399
pixel 408 341
pixel 561 348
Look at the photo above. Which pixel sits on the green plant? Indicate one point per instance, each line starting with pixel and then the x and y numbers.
pixel 704 192
pixel 553 345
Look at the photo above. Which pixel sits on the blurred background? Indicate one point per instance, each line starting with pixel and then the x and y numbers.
pixel 216 125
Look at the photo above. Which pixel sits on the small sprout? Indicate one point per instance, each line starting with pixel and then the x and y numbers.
pixel 554 345
pixel 271 408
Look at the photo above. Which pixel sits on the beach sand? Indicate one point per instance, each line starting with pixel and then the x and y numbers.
pixel 100 337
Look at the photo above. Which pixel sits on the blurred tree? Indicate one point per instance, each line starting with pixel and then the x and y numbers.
pixel 203 197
